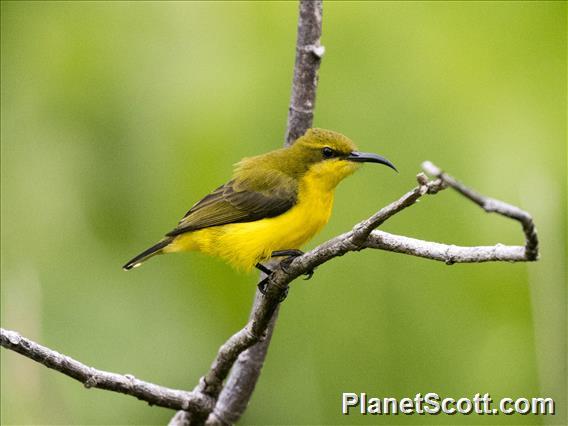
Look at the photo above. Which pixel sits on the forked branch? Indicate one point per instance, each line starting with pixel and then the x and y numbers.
pixel 491 205
pixel 364 234
pixel 222 394
pixel 202 401
pixel 234 397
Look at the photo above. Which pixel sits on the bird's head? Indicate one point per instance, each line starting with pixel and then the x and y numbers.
pixel 330 156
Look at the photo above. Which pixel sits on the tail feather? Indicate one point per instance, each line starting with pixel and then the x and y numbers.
pixel 146 254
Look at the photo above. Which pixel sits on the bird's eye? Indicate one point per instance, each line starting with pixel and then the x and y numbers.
pixel 327 152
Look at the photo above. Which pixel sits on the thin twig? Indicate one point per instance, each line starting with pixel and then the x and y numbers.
pixel 492 205
pixel 93 378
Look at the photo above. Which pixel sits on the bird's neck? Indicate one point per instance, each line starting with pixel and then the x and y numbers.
pixel 326 175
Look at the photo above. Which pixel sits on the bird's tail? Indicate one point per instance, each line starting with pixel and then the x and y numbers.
pixel 147 254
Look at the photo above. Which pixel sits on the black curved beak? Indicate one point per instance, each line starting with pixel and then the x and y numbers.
pixel 368 157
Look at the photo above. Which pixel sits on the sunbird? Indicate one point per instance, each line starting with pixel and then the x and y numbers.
pixel 274 203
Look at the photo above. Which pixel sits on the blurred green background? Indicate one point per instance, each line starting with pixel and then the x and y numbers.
pixel 116 117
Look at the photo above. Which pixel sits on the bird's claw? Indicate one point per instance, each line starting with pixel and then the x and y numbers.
pixel 290 255
pixel 264 282
pixel 262 288
pixel 308 275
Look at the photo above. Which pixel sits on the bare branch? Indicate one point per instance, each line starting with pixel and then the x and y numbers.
pixel 309 53
pixel 240 385
pixel 491 205
pixel 253 332
pixel 363 229
pixel 231 404
pixel 240 359
pixel 93 378
pixel 199 405
pixel 244 375
pixel 448 254
pixel 364 236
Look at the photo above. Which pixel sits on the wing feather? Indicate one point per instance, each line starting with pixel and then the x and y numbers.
pixel 241 201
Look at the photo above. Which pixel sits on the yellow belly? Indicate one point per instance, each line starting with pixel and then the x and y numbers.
pixel 245 244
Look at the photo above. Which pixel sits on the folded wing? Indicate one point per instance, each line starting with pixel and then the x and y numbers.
pixel 241 201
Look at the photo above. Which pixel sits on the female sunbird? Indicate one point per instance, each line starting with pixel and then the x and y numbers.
pixel 274 203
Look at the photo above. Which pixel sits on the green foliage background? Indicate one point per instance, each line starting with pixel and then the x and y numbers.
pixel 116 117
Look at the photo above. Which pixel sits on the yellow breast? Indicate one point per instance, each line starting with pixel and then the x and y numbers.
pixel 245 244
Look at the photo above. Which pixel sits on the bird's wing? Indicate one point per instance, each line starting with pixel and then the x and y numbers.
pixel 241 201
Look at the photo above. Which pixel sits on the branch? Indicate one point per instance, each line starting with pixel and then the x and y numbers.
pixel 252 344
pixel 239 361
pixel 362 236
pixel 448 254
pixel 242 345
pixel 491 205
pixel 240 385
pixel 201 405
pixel 93 378
pixel 309 53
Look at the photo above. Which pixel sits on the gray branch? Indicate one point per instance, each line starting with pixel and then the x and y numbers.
pixel 93 378
pixel 245 351
pixel 240 385
pixel 448 254
pixel 492 205
pixel 239 360
pixel 364 235
pixel 309 53
pixel 235 395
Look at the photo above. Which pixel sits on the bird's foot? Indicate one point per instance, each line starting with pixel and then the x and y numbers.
pixel 262 285
pixel 290 255
pixel 268 272
pixel 263 269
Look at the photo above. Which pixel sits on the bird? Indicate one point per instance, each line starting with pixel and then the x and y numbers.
pixel 273 204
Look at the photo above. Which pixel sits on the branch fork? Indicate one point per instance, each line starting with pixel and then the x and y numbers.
pixel 202 404
pixel 222 395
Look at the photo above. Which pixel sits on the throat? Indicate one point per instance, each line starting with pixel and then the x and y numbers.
pixel 315 202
